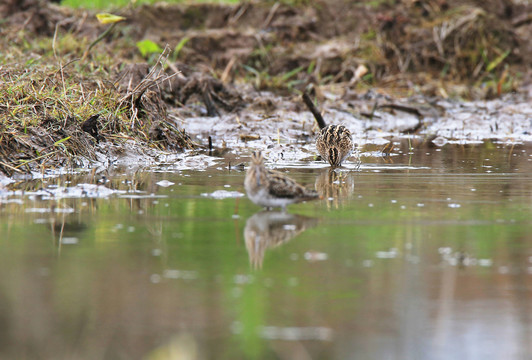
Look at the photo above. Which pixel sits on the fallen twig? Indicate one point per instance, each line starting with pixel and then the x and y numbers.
pixel 319 119
pixel 404 108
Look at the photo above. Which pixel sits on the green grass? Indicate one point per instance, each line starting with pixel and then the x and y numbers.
pixel 111 4
pixel 52 81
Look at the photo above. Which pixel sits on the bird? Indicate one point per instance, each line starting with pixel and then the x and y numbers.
pixel 335 144
pixel 269 188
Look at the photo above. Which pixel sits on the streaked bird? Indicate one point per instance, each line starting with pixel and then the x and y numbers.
pixel 335 144
pixel 270 188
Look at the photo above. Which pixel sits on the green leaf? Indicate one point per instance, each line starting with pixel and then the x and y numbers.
pixel 147 47
pixel 492 65
pixel 61 141
pixel 291 73
pixel 251 70
pixel 311 67
pixel 180 46
pixel 106 18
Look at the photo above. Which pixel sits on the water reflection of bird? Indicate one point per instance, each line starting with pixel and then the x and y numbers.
pixel 334 186
pixel 335 144
pixel 270 188
pixel 269 229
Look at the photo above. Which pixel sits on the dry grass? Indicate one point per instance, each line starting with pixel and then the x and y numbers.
pixel 47 96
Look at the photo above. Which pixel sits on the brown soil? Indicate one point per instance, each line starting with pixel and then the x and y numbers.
pixel 438 48
pixel 395 40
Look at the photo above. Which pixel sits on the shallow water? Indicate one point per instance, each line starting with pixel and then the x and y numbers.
pixel 422 255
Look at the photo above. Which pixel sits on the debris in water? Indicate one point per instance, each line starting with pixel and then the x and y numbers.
pixel 315 256
pixel 165 183
pixel 249 137
pixel 69 241
pixel 390 254
pixel 223 194
pixel 296 333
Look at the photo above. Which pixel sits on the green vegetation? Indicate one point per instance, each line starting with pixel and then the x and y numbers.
pixel 262 80
pixel 113 4
pixel 39 89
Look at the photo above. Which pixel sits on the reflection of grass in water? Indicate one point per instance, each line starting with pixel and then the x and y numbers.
pixel 286 292
pixel 252 310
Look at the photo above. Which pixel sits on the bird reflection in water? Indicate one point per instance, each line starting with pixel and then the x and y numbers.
pixel 333 186
pixel 269 229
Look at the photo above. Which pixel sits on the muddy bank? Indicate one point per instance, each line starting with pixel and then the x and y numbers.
pixel 441 72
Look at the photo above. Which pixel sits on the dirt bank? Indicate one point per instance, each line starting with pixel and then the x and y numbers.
pixel 235 74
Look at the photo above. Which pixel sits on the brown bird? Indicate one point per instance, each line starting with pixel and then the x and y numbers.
pixel 335 144
pixel 270 188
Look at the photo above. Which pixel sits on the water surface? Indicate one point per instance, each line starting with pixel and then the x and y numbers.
pixel 422 255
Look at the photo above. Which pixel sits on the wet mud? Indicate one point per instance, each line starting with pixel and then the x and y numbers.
pixel 387 72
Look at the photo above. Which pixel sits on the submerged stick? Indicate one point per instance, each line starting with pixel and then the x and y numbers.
pixel 319 119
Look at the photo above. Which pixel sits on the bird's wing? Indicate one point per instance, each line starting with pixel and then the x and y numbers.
pixel 282 186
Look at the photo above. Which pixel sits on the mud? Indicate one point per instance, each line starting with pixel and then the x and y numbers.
pixel 236 83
